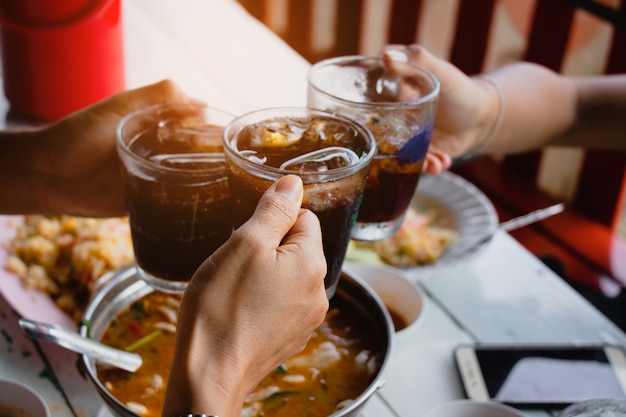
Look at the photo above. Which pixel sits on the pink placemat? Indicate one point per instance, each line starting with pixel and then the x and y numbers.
pixel 30 304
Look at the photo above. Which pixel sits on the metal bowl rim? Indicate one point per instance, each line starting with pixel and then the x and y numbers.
pixel 118 277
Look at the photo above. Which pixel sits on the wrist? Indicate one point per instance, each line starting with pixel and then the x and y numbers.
pixel 203 379
pixel 493 118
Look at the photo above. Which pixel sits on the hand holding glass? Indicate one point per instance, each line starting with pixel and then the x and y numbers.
pixel 331 154
pixel 397 104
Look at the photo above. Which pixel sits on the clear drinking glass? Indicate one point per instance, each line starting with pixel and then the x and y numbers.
pixel 332 155
pixel 398 106
pixel 176 189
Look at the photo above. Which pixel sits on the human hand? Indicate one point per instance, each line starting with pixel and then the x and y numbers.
pixel 464 107
pixel 253 304
pixel 81 165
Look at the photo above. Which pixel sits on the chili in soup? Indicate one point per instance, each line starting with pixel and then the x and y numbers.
pixel 339 362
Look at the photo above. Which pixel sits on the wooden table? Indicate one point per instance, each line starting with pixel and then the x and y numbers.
pixel 218 53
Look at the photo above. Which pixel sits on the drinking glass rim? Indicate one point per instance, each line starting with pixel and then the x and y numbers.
pixel 123 145
pixel 386 105
pixel 301 111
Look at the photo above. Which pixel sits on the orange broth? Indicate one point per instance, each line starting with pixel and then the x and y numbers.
pixel 338 364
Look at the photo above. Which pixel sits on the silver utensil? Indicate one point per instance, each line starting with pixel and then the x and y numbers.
pixel 76 343
pixel 468 242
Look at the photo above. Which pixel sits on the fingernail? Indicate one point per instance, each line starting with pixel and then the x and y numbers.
pixel 289 185
pixel 396 54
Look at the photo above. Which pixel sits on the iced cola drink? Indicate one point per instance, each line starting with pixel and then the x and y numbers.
pixel 331 154
pixel 398 106
pixel 176 189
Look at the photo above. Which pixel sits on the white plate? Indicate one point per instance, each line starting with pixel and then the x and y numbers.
pixel 463 207
pixel 31 304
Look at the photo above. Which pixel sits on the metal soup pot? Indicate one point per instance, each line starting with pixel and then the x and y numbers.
pixel 124 286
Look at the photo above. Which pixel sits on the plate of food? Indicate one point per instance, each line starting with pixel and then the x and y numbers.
pixel 50 266
pixel 444 209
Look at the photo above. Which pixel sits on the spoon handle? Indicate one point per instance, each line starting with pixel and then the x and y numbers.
pixel 467 243
pixel 532 217
pixel 76 343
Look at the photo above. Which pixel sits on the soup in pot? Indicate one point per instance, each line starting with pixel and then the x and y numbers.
pixel 339 362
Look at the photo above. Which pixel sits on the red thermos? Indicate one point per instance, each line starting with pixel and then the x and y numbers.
pixel 59 56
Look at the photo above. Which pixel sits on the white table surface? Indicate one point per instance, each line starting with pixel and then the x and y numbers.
pixel 216 52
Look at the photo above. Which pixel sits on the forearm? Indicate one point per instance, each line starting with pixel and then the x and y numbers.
pixel 543 108
pixel 23 168
pixel 601 113
pixel 200 393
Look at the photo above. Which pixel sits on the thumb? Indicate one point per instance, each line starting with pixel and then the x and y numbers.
pixel 277 210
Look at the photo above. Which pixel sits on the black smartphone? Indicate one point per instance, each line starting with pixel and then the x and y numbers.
pixel 547 375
